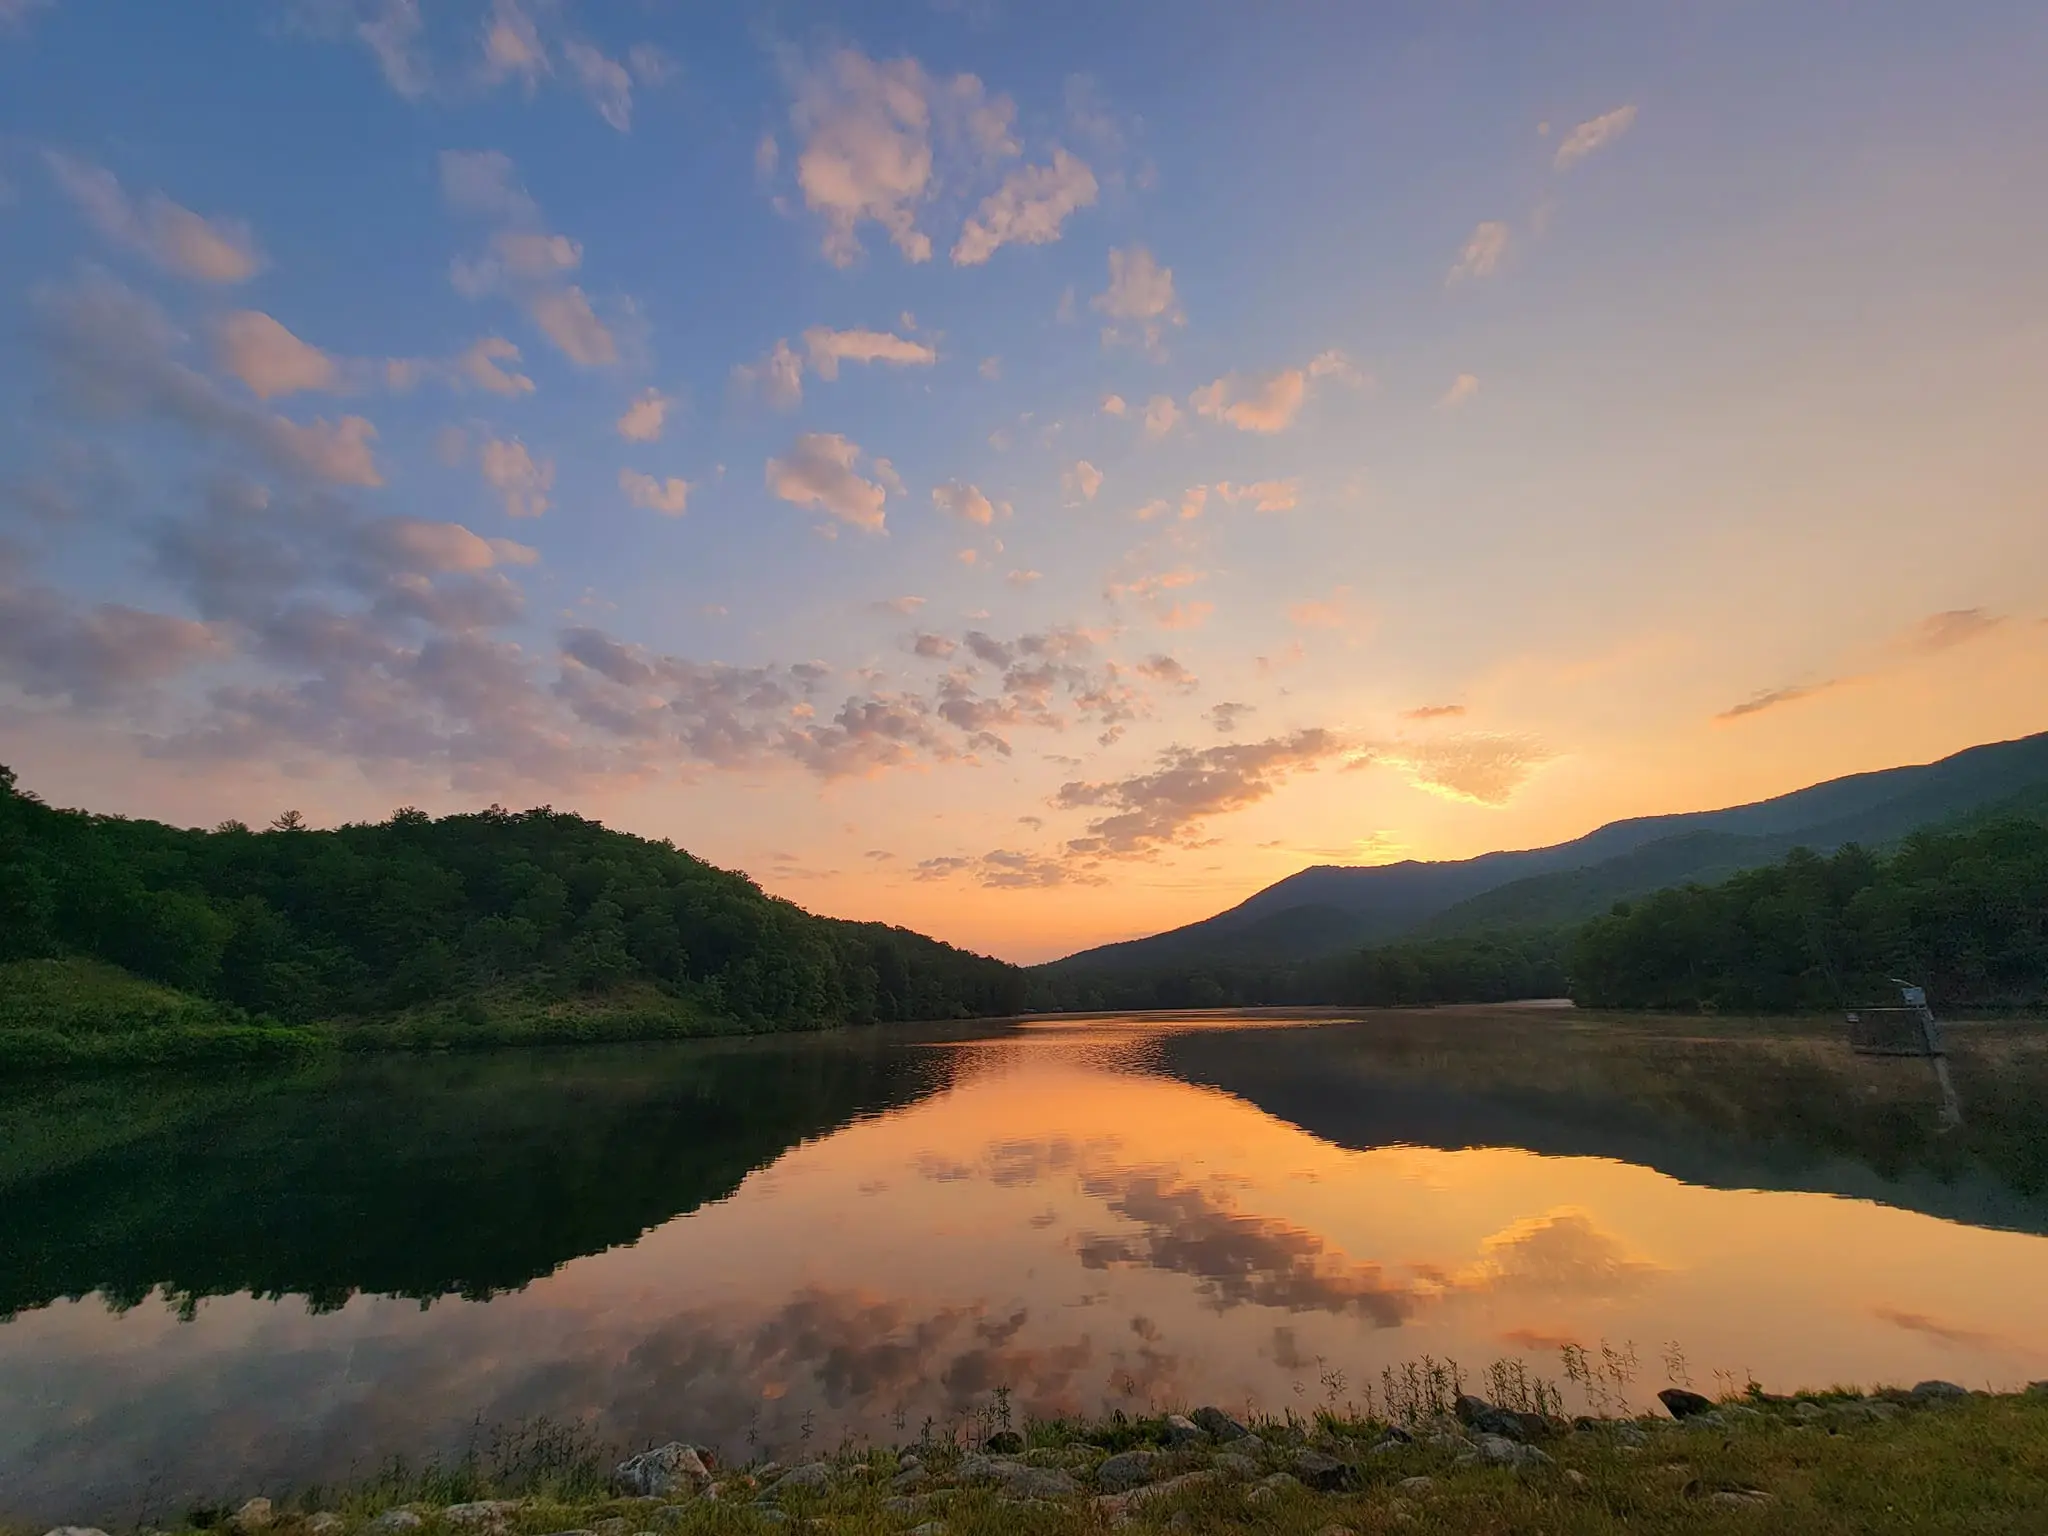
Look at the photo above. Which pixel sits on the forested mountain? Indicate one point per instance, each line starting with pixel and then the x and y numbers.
pixel 458 922
pixel 1329 910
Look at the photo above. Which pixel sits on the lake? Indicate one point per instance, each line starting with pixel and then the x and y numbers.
pixel 219 1283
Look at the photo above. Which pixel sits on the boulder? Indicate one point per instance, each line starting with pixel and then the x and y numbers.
pixel 256 1515
pixel 1500 1451
pixel 929 1528
pixel 902 1506
pixel 484 1514
pixel 1739 1498
pixel 1477 1413
pixel 1218 1424
pixel 1275 1486
pixel 1323 1472
pixel 1807 1412
pixel 325 1523
pixel 1682 1404
pixel 1182 1430
pixel 1937 1391
pixel 1118 1505
pixel 1230 1464
pixel 910 1479
pixel 662 1472
pixel 74 1530
pixel 1004 1442
pixel 811 1477
pixel 394 1521
pixel 1128 1470
pixel 2037 1389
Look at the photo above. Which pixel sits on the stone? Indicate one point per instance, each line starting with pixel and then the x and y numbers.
pixel 393 1521
pixel 1937 1391
pixel 1416 1485
pixel 1128 1470
pixel 1885 1412
pixel 1806 1413
pixel 1500 1451
pixel 484 1514
pixel 1182 1430
pixel 325 1523
pixel 1004 1442
pixel 1681 1404
pixel 617 1525
pixel 1477 1413
pixel 1739 1498
pixel 1119 1505
pixel 811 1477
pixel 74 1530
pixel 902 1506
pixel 664 1471
pixel 911 1478
pixel 2037 1389
pixel 1272 1487
pixel 1710 1420
pixel 1577 1478
pixel 1323 1472
pixel 929 1528
pixel 1230 1464
pixel 256 1515
pixel 908 1460
pixel 1020 1482
pixel 1218 1424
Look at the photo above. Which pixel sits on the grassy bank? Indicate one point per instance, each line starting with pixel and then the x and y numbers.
pixel 1824 1463
pixel 81 1013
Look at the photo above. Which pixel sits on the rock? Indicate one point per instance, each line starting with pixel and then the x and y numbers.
pixel 1275 1486
pixel 929 1528
pixel 1218 1424
pixel 1937 1391
pixel 1889 1411
pixel 811 1477
pixel 74 1530
pixel 393 1521
pixel 487 1514
pixel 1182 1430
pixel 670 1514
pixel 1036 1483
pixel 1128 1470
pixel 256 1515
pixel 1230 1464
pixel 1740 1498
pixel 1682 1404
pixel 1500 1451
pixel 1118 1505
pixel 1479 1414
pixel 1004 1442
pixel 325 1523
pixel 911 1478
pixel 1324 1473
pixel 1710 1420
pixel 665 1470
pixel 1577 1478
pixel 908 1460
pixel 1416 1485
pixel 2037 1389
pixel 902 1506
pixel 617 1525
pixel 1806 1413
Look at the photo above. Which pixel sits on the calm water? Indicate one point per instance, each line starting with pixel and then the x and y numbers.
pixel 259 1282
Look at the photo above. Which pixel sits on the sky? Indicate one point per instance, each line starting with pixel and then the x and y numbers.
pixel 1036 474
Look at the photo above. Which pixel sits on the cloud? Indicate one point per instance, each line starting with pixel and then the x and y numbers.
pixel 829 348
pixel 1269 404
pixel 1333 364
pixel 779 376
pixel 819 471
pixel 1023 578
pixel 54 649
pixel 966 502
pixel 1140 295
pixel 513 472
pixel 605 81
pixel 1771 698
pixel 1433 712
pixel 1482 252
pixel 1946 1333
pixel 1082 479
pixel 512 46
pixel 1005 869
pixel 1593 134
pixel 172 236
pixel 670 496
pixel 1940 632
pixel 1264 495
pixel 1479 769
pixel 1227 716
pixel 643 420
pixel 1160 416
pixel 1028 209
pixel 484 182
pixel 480 366
pixel 1186 787
pixel 269 359
pixel 1113 405
pixel 1332 612
pixel 991 368
pixel 867 151
pixel 569 322
pixel 112 355
pixel 902 605
pixel 1463 388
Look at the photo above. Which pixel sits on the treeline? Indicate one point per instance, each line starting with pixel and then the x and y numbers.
pixel 1963 913
pixel 1481 968
pixel 365 921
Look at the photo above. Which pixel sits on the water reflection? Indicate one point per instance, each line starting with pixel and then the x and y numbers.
pixel 754 1244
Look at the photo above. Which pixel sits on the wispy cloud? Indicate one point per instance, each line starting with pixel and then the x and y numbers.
pixel 1595 133
pixel 215 250
pixel 820 471
pixel 1482 253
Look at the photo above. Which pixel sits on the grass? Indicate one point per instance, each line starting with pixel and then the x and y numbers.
pixel 1823 1464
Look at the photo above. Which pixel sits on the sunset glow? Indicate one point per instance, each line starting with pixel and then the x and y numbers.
pixel 1033 474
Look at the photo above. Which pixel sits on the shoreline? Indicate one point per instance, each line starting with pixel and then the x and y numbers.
pixel 1933 1457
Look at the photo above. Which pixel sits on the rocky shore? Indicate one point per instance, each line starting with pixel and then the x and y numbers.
pixel 1930 1458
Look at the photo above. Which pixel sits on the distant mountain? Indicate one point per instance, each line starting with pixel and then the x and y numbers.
pixel 1329 908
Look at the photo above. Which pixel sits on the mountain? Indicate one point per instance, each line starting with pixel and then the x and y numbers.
pixel 1329 908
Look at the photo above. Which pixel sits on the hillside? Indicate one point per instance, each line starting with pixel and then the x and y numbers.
pixel 1327 909
pixel 126 940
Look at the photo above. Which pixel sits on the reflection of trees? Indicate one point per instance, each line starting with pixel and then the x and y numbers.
pixel 418 1177
pixel 1717 1104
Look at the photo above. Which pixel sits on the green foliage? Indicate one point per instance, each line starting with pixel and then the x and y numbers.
pixel 1963 913
pixel 383 929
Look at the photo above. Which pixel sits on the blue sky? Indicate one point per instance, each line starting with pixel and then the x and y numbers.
pixel 1034 473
